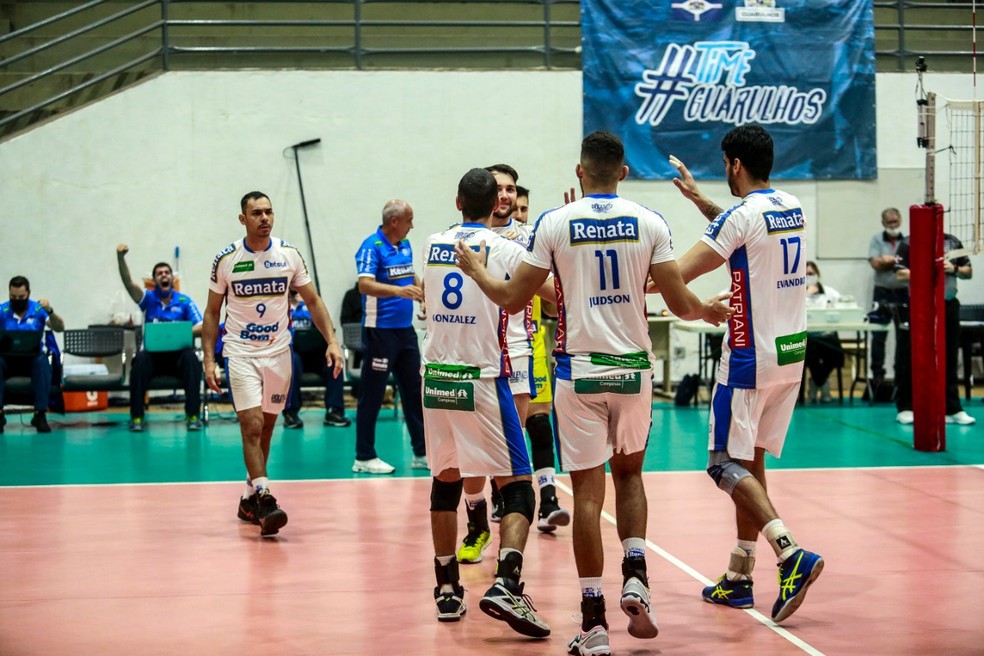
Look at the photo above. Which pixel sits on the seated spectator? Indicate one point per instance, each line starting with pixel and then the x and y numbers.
pixel 21 313
pixel 163 303
pixel 352 305
pixel 300 319
pixel 824 352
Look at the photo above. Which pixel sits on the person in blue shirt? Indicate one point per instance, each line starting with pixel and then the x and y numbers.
pixel 21 313
pixel 300 319
pixel 389 288
pixel 163 303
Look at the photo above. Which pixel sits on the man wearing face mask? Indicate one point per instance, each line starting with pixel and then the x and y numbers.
pixel 21 313
pixel 162 303
pixel 889 292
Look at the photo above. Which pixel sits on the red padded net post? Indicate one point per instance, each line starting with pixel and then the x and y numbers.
pixel 926 326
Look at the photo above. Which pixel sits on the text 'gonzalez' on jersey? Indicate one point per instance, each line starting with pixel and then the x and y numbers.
pixel 762 239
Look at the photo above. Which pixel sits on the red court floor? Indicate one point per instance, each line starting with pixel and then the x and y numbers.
pixel 168 569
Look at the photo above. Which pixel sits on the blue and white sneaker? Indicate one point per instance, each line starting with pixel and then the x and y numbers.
pixel 796 574
pixel 506 602
pixel 736 594
pixel 450 605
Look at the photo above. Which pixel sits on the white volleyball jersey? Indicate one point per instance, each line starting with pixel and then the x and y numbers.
pixel 763 240
pixel 519 334
pixel 466 332
pixel 256 286
pixel 600 249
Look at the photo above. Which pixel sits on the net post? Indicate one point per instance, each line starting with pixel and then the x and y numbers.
pixel 926 327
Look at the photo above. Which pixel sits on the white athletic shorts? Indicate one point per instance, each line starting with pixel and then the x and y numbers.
pixel 259 382
pixel 592 424
pixel 472 425
pixel 522 381
pixel 743 419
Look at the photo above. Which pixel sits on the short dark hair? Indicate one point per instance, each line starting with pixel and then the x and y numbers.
pixel 602 156
pixel 20 281
pixel 522 191
pixel 753 146
pixel 503 168
pixel 253 195
pixel 153 272
pixel 478 193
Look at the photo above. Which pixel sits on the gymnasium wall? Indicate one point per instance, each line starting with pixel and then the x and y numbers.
pixel 164 164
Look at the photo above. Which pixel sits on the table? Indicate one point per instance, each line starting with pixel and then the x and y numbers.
pixel 861 329
pixel 970 332
pixel 659 333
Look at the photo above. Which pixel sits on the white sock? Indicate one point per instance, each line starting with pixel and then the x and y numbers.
pixel 261 483
pixel 780 538
pixel 249 491
pixel 545 476
pixel 634 547
pixel 748 545
pixel 472 500
pixel 590 586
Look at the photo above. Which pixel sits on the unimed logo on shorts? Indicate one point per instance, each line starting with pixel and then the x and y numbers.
pixel 278 398
pixel 449 395
pixel 791 348
pixel 259 287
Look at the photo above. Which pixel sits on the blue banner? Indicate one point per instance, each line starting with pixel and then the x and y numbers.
pixel 672 77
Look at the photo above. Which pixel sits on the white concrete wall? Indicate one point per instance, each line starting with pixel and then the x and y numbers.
pixel 163 165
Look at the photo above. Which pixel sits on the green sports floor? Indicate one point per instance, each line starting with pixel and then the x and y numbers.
pixel 96 448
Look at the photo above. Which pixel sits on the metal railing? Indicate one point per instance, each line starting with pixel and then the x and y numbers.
pixel 149 36
pixel 911 38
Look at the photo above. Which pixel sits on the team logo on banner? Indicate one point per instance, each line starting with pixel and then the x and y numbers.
pixel 673 77
pixel 706 80
pixel 697 10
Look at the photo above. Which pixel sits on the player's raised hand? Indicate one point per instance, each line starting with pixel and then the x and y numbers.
pixel 122 249
pixel 685 183
pixel 569 196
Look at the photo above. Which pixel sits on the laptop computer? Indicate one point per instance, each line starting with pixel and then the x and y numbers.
pixel 163 336
pixel 20 342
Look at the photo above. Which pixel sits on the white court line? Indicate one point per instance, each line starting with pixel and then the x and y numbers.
pixel 690 571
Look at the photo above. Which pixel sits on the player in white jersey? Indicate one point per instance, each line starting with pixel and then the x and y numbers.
pixel 471 426
pixel 252 277
pixel 522 383
pixel 601 250
pixel 762 241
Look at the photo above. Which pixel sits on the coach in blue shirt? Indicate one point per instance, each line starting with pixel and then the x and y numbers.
pixel 389 288
pixel 163 303
pixel 21 313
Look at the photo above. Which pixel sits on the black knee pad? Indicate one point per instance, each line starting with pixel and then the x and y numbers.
pixel 518 497
pixel 541 441
pixel 445 496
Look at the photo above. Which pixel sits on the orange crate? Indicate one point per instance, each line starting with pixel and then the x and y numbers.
pixel 85 401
